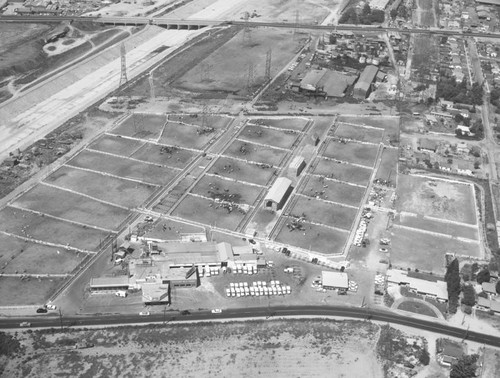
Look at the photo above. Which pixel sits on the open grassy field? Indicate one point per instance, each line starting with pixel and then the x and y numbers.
pixel 255 153
pixel 266 348
pixel 170 157
pixel 363 134
pixel 122 167
pixel 31 291
pixel 425 13
pixel 206 212
pixel 334 191
pixel 265 135
pixel 352 152
pixel 117 191
pixel 27 224
pixel 436 198
pixel 417 308
pixel 178 134
pixel 315 238
pixel 241 171
pixel 446 228
pixel 211 120
pixel 215 187
pixel 388 168
pixel 116 145
pixel 417 250
pixel 226 69
pixel 425 54
pixel 389 123
pixel 326 213
pixel 71 206
pixel 321 124
pixel 142 126
pixel 343 172
pixel 296 123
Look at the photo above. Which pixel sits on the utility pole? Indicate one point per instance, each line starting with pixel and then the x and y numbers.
pixel 60 318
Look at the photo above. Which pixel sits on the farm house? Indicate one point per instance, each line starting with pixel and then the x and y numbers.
pixel 278 194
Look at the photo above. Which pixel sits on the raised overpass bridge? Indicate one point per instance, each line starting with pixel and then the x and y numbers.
pixel 171 23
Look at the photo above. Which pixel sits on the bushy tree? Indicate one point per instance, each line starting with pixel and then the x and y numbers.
pixel 497 287
pixel 425 358
pixel 469 298
pixel 483 276
pixel 465 367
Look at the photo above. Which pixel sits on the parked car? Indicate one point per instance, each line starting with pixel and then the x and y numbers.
pixel 144 313
pixel 216 311
pixel 41 310
pixel 51 307
pixel 25 324
pixel 383 250
pixel 185 312
pixel 148 219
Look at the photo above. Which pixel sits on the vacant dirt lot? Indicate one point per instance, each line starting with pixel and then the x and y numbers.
pixel 436 198
pixel 388 165
pixel 190 136
pixel 334 191
pixel 142 126
pixel 446 228
pixel 296 123
pixel 227 68
pixel 265 135
pixel 278 348
pixel 116 145
pixel 417 250
pixel 172 157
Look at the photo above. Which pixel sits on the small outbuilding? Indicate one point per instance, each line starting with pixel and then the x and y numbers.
pixel 297 165
pixel 278 194
pixel 334 281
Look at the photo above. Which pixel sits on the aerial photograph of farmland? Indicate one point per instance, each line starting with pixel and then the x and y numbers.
pixel 275 188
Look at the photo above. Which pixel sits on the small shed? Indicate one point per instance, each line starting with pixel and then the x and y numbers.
pixel 278 194
pixel 297 165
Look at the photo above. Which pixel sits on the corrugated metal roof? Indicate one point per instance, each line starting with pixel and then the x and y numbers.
pixel 278 190
pixel 310 81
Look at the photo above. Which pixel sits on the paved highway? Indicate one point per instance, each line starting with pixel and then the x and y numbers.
pixel 53 320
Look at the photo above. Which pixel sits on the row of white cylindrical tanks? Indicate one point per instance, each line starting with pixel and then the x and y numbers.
pixel 259 288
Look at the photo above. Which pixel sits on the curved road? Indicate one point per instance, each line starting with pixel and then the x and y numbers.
pixel 53 319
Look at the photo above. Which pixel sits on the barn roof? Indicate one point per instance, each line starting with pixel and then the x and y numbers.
pixel 278 190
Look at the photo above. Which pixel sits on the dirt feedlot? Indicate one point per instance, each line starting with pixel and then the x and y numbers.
pixel 242 171
pixel 352 152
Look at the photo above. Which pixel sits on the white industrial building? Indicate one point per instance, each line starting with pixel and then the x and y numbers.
pixel 436 289
pixel 278 194
pixel 334 281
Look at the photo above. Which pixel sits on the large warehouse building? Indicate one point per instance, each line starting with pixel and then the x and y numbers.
pixel 278 194
pixel 364 85
pixel 326 83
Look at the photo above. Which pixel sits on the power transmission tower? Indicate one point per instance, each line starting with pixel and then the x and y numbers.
pixel 247 32
pixel 268 64
pixel 250 77
pixel 123 76
pixel 151 85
